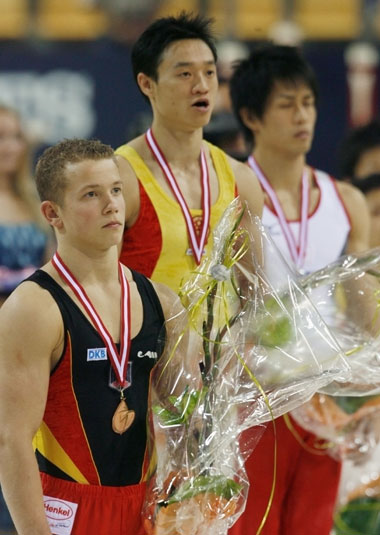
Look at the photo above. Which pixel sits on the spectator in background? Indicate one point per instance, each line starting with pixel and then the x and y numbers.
pixel 229 53
pixel 24 239
pixel 223 129
pixel 359 162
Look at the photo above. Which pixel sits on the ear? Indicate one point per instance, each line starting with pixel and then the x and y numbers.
pixel 50 211
pixel 145 84
pixel 249 119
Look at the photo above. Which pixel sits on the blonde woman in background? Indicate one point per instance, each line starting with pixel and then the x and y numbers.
pixel 24 239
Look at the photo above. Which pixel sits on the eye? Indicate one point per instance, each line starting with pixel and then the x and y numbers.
pixel 116 190
pixel 90 194
pixel 185 74
pixel 211 72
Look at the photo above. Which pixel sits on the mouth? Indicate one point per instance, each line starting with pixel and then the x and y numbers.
pixel 302 134
pixel 202 104
pixel 112 224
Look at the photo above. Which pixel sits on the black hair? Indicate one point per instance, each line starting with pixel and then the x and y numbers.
pixel 148 50
pixel 255 77
pixel 356 142
pixel 367 183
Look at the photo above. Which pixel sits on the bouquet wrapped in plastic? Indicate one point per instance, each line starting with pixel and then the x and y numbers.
pixel 358 507
pixel 240 353
pixel 347 294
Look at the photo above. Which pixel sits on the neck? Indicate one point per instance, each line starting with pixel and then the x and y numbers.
pixel 283 172
pixel 179 147
pixel 95 267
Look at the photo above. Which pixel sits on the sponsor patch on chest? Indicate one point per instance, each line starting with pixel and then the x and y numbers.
pixel 96 353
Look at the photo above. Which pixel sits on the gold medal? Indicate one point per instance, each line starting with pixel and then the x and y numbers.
pixel 123 418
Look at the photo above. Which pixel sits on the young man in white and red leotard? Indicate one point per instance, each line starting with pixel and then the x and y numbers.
pixel 313 220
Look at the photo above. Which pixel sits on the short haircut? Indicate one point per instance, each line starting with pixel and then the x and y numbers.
pixel 148 50
pixel 255 77
pixel 50 175
pixel 356 142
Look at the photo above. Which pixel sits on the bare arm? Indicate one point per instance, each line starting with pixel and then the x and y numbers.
pixel 248 187
pixel 250 193
pixel 360 292
pixel 30 334
pixel 356 206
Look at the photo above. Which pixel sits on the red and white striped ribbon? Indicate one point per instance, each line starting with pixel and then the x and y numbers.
pixel 197 242
pixel 119 361
pixel 297 251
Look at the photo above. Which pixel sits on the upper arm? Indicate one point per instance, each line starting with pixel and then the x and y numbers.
pixel 30 333
pixel 356 206
pixel 250 192
pixel 130 190
pixel 248 186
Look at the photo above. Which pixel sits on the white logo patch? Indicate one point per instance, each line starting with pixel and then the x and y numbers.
pixel 60 515
pixel 149 354
pixel 97 353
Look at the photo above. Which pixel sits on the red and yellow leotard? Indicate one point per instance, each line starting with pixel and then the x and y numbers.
pixel 157 243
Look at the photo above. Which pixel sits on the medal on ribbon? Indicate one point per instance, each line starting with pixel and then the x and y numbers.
pixel 123 416
pixel 297 250
pixel 197 240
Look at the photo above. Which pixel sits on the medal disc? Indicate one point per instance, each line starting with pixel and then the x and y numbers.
pixel 123 418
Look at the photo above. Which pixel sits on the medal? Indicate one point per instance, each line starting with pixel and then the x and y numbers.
pixel 123 417
pixel 297 251
pixel 197 242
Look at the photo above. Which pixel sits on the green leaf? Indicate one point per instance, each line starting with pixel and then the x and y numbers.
pixel 218 485
pixel 351 404
pixel 273 327
pixel 182 407
pixel 359 517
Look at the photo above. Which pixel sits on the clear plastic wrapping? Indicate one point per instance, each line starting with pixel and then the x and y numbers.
pixel 242 351
pixel 347 294
pixel 358 506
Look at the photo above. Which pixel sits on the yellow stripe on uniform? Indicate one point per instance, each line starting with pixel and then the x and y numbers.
pixel 48 446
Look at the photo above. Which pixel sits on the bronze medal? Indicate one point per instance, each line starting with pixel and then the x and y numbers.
pixel 123 418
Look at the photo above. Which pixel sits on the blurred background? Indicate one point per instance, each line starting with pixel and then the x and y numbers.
pixel 65 64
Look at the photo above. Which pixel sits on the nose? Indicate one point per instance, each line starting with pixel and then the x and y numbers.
pixel 201 84
pixel 301 112
pixel 111 204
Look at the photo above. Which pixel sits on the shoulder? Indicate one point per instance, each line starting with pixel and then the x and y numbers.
pixel 356 206
pixel 30 315
pixel 350 193
pixel 248 186
pixel 353 200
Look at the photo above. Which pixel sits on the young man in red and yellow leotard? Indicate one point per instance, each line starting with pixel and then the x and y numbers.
pixel 177 185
